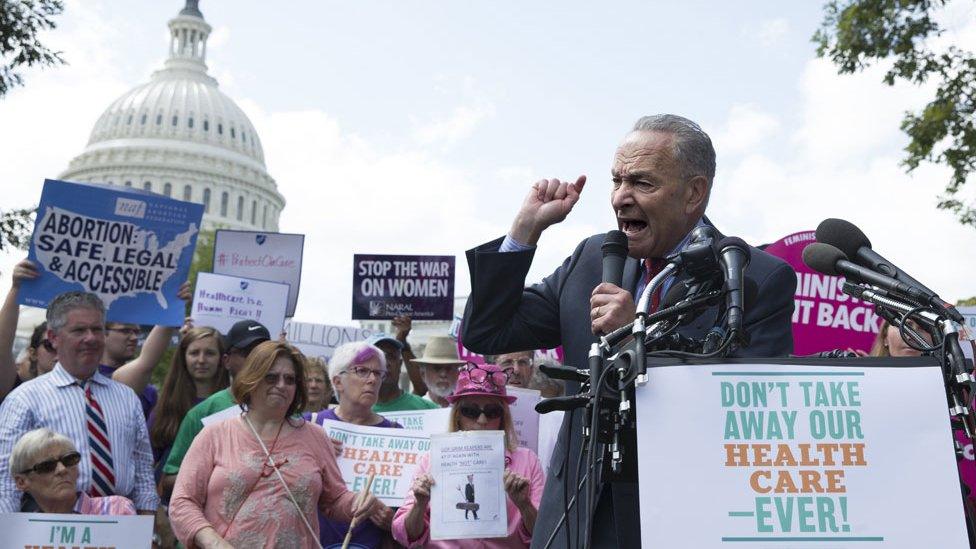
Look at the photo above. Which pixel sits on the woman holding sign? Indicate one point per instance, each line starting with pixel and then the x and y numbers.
pixel 257 480
pixel 357 370
pixel 480 403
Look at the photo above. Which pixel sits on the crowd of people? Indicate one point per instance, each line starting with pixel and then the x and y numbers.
pixel 82 429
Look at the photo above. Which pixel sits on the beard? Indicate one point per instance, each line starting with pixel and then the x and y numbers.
pixel 439 391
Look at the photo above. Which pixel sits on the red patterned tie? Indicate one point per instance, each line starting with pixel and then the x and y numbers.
pixel 103 472
pixel 653 266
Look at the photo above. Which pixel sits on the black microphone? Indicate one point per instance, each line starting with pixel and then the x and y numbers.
pixel 614 254
pixel 829 260
pixel 564 403
pixel 734 256
pixel 567 373
pixel 855 244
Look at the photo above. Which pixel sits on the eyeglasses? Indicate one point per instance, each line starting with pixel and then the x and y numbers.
pixel 479 375
pixel 131 332
pixel 521 363
pixel 48 466
pixel 364 373
pixel 492 411
pixel 272 379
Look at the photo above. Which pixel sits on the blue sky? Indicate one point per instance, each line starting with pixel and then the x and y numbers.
pixel 417 127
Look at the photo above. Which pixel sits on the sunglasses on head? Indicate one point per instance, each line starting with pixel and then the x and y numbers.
pixel 49 465
pixel 272 379
pixel 479 375
pixel 492 411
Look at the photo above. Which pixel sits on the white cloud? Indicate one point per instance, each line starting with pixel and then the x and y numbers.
pixel 746 128
pixel 772 31
pixel 448 131
pixel 841 159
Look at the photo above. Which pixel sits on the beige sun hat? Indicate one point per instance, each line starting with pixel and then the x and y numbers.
pixel 440 350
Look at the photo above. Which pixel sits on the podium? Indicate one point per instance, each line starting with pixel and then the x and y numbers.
pixel 791 453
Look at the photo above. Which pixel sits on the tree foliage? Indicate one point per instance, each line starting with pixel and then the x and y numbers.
pixel 20 23
pixel 856 33
pixel 15 228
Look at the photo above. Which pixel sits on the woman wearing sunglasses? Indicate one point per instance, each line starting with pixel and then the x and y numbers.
pixel 45 465
pixel 480 403
pixel 258 480
pixel 357 370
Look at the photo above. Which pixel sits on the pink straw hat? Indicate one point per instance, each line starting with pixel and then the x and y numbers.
pixel 481 380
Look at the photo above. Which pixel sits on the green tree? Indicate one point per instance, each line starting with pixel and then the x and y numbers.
pixel 856 33
pixel 966 302
pixel 21 21
pixel 16 227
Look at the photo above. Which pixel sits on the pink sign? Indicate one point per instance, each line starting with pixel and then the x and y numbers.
pixel 824 317
pixel 464 354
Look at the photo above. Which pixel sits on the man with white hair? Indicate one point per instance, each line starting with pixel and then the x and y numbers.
pixel 661 179
pixel 440 365
pixel 102 417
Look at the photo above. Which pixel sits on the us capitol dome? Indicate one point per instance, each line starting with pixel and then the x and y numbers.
pixel 180 136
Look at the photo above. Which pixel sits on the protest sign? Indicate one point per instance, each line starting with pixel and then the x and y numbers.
pixel 275 257
pixel 431 421
pixel 221 301
pixel 549 425
pixel 385 286
pixel 132 248
pixel 391 454
pixel 468 501
pixel 824 317
pixel 784 452
pixel 524 417
pixel 54 531
pixel 321 340
pixel 469 356
pixel 217 417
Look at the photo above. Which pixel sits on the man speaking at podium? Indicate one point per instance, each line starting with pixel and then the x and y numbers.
pixel 662 176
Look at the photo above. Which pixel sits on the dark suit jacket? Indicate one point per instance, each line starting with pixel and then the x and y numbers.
pixel 504 316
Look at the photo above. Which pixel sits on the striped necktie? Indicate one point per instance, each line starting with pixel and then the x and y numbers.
pixel 103 471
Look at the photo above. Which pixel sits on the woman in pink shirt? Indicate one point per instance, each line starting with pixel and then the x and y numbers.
pixel 480 403
pixel 258 480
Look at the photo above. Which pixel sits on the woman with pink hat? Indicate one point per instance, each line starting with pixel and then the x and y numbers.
pixel 480 403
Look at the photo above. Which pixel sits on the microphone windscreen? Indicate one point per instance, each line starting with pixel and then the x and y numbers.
pixel 734 242
pixel 678 291
pixel 823 257
pixel 615 243
pixel 843 235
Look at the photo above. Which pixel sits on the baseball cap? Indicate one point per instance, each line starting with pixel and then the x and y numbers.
pixel 381 337
pixel 245 333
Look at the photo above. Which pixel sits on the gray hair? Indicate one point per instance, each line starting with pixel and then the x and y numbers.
pixel 57 311
pixel 346 354
pixel 692 147
pixel 33 443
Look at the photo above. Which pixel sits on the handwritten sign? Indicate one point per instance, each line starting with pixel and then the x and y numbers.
pixel 276 257
pixel 385 286
pixel 220 301
pixel 131 248
pixel 50 530
pixel 789 453
pixel 391 454
pixel 321 340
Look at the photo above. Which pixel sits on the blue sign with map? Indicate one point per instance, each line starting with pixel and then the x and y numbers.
pixel 132 248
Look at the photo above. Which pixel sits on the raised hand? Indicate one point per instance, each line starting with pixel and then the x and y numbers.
pixel 548 202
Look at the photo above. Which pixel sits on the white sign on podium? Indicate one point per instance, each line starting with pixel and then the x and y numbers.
pixel 776 455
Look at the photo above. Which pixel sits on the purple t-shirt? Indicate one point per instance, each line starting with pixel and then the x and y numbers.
pixel 332 533
pixel 148 397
